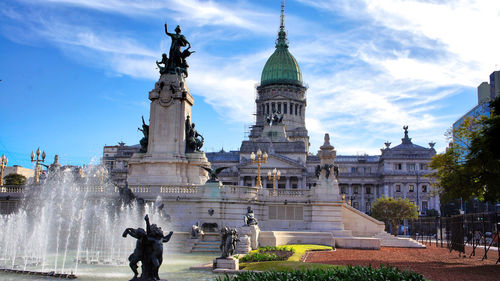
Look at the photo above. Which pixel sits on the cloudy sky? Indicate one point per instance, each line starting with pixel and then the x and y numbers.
pixel 76 73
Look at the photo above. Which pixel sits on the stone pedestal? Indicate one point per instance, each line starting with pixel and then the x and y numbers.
pixel 243 246
pixel 252 231
pixel 166 162
pixel 326 205
pixel 229 263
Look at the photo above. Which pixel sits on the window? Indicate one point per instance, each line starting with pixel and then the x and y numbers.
pixel 300 110
pixel 343 189
pixel 367 170
pixel 411 188
pixel 355 205
pixel 424 188
pixel 273 107
pixel 397 166
pixel 269 184
pixel 279 107
pixel 424 205
pixel 291 108
pixel 398 188
pixel 296 108
pixel 355 190
pixel 354 169
pixel 410 166
pixel 368 190
pixel 423 166
pixel 267 108
pixel 284 107
pixel 286 213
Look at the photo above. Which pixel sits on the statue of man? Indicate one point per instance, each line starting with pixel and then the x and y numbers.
pixel 175 54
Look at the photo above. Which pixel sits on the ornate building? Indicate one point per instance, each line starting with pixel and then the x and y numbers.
pixel 280 131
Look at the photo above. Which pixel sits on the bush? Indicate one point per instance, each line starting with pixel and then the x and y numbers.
pixel 348 273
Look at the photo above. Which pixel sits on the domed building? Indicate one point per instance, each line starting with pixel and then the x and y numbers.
pixel 280 131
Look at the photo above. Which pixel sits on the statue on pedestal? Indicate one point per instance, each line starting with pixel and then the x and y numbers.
pixel 194 141
pixel 229 237
pixel 144 140
pixel 250 217
pixel 148 250
pixel 177 63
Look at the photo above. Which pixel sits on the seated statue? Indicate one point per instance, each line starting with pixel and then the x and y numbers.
pixel 196 231
pixel 250 217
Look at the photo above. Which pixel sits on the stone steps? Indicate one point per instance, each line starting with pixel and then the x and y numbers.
pixel 208 244
pixel 388 240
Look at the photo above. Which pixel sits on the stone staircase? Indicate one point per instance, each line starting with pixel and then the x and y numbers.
pixel 208 244
pixel 388 240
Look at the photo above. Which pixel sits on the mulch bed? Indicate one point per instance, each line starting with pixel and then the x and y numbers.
pixel 283 255
pixel 435 263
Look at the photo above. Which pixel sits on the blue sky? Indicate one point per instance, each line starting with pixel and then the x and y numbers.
pixel 76 73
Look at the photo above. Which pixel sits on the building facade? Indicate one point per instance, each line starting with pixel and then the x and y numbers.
pixel 486 92
pixel 280 131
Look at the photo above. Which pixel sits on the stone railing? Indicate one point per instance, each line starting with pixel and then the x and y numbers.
pixel 179 189
pixel 12 189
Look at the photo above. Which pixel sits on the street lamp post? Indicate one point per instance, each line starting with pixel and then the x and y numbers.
pixel 38 164
pixel 260 159
pixel 274 176
pixel 3 163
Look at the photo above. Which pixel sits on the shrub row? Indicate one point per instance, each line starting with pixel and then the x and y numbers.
pixel 346 273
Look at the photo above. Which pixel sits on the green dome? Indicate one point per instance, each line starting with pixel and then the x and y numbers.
pixel 281 67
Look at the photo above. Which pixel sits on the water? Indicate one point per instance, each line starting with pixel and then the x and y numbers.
pixel 175 267
pixel 74 224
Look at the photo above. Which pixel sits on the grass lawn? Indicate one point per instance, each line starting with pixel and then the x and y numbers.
pixel 291 263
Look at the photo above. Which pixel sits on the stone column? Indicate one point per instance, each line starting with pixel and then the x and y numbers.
pixel 287 186
pixel 362 207
pixel 386 190
pixel 242 182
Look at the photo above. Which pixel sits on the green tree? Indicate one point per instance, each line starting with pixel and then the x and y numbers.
pixel 394 211
pixel 470 167
pixel 483 160
pixel 14 179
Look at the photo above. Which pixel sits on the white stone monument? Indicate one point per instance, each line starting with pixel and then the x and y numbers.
pixel 166 161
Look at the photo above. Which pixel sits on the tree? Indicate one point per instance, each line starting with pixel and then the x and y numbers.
pixel 14 179
pixel 394 211
pixel 470 167
pixel 483 159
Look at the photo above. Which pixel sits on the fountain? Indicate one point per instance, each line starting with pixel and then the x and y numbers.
pixel 70 221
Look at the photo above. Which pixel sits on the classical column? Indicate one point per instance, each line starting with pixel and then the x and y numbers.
pixel 362 202
pixel 287 186
pixel 242 181
pixel 386 190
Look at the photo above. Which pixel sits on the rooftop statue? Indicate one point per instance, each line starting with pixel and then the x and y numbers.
pixel 177 63
pixel 148 250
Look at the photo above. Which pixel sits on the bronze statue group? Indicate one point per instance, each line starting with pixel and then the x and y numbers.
pixel 148 250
